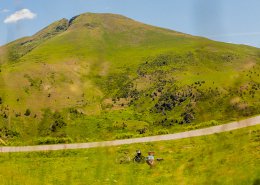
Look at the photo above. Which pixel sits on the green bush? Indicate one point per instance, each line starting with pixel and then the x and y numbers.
pixel 162 132
pixel 51 123
pixel 124 136
pixel 7 133
pixel 202 125
pixel 53 140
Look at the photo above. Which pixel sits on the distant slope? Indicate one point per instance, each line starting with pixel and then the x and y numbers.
pixel 101 76
pixel 17 49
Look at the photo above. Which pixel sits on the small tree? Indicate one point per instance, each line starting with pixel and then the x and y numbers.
pixel 27 112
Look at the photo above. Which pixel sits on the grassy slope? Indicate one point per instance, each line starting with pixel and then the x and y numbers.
pixel 226 158
pixel 13 51
pixel 109 68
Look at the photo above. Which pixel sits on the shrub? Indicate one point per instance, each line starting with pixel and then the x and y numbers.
pixel 7 133
pixel 124 136
pixel 27 112
pixel 59 123
pixel 53 140
pixel 188 117
pixel 51 123
pixel 203 124
pixel 162 132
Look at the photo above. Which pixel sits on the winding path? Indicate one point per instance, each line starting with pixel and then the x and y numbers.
pixel 200 132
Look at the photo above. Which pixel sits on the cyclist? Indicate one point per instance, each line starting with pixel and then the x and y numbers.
pixel 138 157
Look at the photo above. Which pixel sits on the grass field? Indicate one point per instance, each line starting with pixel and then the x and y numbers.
pixel 226 158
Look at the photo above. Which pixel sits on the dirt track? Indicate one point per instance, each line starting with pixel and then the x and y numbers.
pixel 200 132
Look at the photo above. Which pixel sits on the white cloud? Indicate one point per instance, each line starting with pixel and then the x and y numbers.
pixel 20 15
pixel 4 10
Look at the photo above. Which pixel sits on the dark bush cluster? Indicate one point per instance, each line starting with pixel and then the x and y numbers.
pixel 7 133
pixel 54 140
pixel 52 124
pixel 4 111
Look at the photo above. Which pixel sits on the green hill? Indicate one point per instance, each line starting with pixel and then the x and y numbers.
pixel 105 76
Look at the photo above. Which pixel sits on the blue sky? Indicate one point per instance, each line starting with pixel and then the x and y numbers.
pixel 235 21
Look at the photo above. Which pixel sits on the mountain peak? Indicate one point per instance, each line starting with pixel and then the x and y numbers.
pixel 88 26
pixel 104 20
